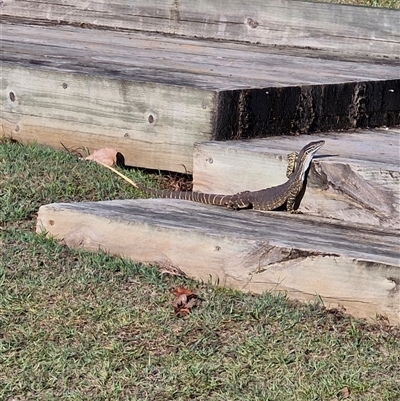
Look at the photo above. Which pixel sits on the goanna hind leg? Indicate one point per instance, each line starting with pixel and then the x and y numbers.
pixel 239 201
pixel 237 205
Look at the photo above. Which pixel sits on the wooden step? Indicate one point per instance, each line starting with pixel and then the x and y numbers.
pixel 152 97
pixel 354 177
pixel 321 28
pixel 353 266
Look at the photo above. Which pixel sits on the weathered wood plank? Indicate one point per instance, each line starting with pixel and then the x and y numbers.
pixel 152 125
pixel 354 266
pixel 355 176
pixel 200 91
pixel 179 61
pixel 370 32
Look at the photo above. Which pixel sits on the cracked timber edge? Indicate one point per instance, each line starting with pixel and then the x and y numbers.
pixel 353 266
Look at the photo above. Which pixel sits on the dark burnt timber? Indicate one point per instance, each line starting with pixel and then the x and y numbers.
pixel 257 113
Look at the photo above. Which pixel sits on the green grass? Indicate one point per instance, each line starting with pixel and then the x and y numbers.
pixel 368 3
pixel 87 326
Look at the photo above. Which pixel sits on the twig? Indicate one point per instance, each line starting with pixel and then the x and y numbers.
pixel 120 174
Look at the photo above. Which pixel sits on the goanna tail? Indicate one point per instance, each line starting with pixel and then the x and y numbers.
pixel 232 201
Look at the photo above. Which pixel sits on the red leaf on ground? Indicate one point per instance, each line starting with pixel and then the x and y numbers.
pixel 184 301
pixel 180 290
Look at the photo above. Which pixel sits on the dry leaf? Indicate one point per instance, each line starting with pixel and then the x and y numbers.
pixel 180 290
pixel 107 156
pixel 184 301
pixel 193 302
pixel 345 392
pixel 182 312
pixel 179 301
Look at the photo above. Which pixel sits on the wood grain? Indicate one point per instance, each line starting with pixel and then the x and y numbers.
pixel 355 176
pixel 178 61
pixel 367 32
pixel 153 97
pixel 153 126
pixel 350 265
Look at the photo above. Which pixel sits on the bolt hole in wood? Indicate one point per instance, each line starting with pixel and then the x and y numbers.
pixel 126 135
pixel 252 23
pixel 64 85
pixel 151 119
pixel 16 128
pixel 12 96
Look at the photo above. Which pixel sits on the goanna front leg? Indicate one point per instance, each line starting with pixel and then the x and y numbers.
pixel 292 159
pixel 290 203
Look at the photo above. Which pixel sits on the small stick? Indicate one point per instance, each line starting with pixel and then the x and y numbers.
pixel 120 174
